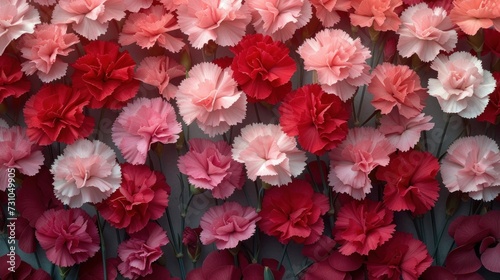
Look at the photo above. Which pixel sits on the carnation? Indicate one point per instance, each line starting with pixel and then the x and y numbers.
pixel 87 171
pixel 18 18
pixel 21 270
pixel 326 10
pixel 12 81
pixel 158 71
pixel 68 236
pixel 268 153
pixel 492 110
pixel 380 15
pixel 472 15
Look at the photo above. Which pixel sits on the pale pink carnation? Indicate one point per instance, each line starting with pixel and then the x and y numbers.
pixel 379 14
pixel 17 17
pixel 88 18
pixel 149 27
pixel 339 61
pixel 210 96
pixel 402 132
pixel 472 165
pixel 425 31
pixel 223 22
pixel 43 50
pixel 352 162
pixel 269 153
pixel 228 224
pixel 142 123
pixel 279 18
pixel 158 71
pixel 462 86
pixel 472 15
pixel 138 253
pixel 87 171
pixel 397 86
pixel 326 10
pixel 135 5
pixel 17 152
pixel 209 165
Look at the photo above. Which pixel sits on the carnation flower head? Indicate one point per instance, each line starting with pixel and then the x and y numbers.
pixel 293 212
pixel 135 6
pixel 471 15
pixel 21 269
pixel 12 81
pixel 88 18
pixel 492 110
pixel 227 224
pixel 268 153
pixel 339 61
pixel 142 123
pixel 352 161
pixel 143 196
pixel 472 165
pixel 336 266
pixel 87 171
pixel 426 32
pixel 209 165
pixel 149 27
pixel 317 118
pixel 381 15
pixel 211 97
pixel 158 71
pixel 55 113
pixel 17 17
pixel 223 22
pixel 68 236
pixel 397 86
pixel 326 10
pixel 279 18
pixel 462 85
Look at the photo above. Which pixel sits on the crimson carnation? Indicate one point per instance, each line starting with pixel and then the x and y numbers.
pixel 55 113
pixel 293 212
pixel 263 68
pixel 317 118
pixel 492 110
pixel 362 226
pixel 21 270
pixel 12 79
pixel 411 182
pixel 105 75
pixel 142 196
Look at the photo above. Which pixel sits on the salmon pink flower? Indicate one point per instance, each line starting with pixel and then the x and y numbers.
pixel 158 71
pixel 379 14
pixel 326 10
pixel 471 15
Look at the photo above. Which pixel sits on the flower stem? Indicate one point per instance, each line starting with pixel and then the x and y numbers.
pixel 103 246
pixel 282 256
pixel 438 154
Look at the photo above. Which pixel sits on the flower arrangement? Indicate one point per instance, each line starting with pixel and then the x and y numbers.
pixel 283 139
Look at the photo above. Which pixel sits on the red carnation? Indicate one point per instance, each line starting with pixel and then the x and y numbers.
pixel 411 182
pixel 55 113
pixel 105 75
pixel 491 42
pixel 317 118
pixel 293 212
pixel 142 196
pixel 12 80
pixel 263 68
pixel 492 110
pixel 22 270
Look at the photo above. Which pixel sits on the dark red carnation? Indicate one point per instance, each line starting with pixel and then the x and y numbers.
pixel 317 118
pixel 293 212
pixel 105 75
pixel 492 110
pixel 142 196
pixel 491 42
pixel 55 113
pixel 12 80
pixel 218 265
pixel 411 182
pixel 263 68
pixel 191 239
pixel 255 271
pixel 22 270
pixel 92 269
pixel 337 266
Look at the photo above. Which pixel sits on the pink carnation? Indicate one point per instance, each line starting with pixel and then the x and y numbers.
pixel 279 18
pixel 426 32
pixel 462 86
pixel 227 225
pixel 135 5
pixel 143 123
pixel 471 15
pixel 149 27
pixel 472 165
pixel 211 97
pixel 381 15
pixel 339 61
pixel 88 18
pixel 326 10
pixel 87 171
pixel 223 22
pixel 350 163
pixel 140 251
pixel 68 237
pixel 209 165
pixel 397 86
pixel 43 50
pixel 18 152
pixel 269 153
pixel 158 71
pixel 17 17
pixel 402 132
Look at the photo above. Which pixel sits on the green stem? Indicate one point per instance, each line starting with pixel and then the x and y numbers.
pixel 103 246
pixel 282 256
pixel 257 113
pixel 370 117
pixel 436 249
pixel 438 154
